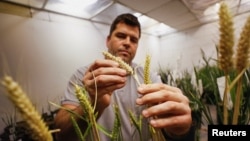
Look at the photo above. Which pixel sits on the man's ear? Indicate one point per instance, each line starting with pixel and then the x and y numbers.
pixel 108 37
pixel 107 40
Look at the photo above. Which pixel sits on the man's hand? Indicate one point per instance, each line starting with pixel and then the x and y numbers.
pixel 102 78
pixel 169 105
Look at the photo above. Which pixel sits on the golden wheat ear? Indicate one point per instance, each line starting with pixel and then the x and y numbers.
pixel 243 48
pixel 147 79
pixel 28 112
pixel 226 42
pixel 122 64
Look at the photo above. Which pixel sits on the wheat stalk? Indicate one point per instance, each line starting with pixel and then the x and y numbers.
pixel 242 62
pixel 225 56
pixel 116 131
pixel 156 133
pixel 88 110
pixel 33 119
pixel 137 122
pixel 242 55
pixel 77 128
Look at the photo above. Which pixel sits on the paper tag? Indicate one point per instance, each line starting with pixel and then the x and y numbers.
pixel 221 87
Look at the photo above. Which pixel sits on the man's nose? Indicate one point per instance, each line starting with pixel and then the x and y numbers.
pixel 127 40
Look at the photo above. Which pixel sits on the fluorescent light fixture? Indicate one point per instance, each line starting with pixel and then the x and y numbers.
pixel 78 3
pixel 77 8
pixel 146 21
pixel 163 29
pixel 159 29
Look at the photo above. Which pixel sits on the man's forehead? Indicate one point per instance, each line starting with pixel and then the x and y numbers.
pixel 127 29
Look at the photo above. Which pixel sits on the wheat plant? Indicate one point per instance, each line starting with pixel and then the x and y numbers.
pixel 225 51
pixel 18 97
pixel 242 63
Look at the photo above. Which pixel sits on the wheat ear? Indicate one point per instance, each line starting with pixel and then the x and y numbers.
pixel 33 119
pixel 242 55
pixel 225 49
pixel 123 65
pixel 155 133
pixel 147 79
pixel 88 110
pixel 242 62
pixel 226 42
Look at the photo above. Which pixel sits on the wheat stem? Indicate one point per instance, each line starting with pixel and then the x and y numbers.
pixel 225 50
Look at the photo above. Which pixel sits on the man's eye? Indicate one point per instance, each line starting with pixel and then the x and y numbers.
pixel 134 40
pixel 120 36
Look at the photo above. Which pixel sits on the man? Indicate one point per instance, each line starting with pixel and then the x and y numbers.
pixel 114 86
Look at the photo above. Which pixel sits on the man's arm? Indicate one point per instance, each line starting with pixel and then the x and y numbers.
pixel 109 77
pixel 63 122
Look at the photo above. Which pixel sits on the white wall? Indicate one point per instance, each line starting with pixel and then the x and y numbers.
pixel 42 52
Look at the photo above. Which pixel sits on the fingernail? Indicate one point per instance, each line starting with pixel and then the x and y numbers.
pixel 145 113
pixel 139 101
pixel 141 88
pixel 153 122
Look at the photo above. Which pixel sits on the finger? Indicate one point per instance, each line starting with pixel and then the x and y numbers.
pixel 154 97
pixel 105 81
pixel 102 63
pixel 107 71
pixel 149 88
pixel 166 109
pixel 171 122
pixel 162 96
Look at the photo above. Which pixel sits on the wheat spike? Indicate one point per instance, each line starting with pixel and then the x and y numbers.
pixel 89 112
pixel 242 63
pixel 226 42
pixel 122 64
pixel 155 133
pixel 242 55
pixel 147 79
pixel 33 119
pixel 84 100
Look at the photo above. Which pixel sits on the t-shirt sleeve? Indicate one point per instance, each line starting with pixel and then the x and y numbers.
pixel 69 93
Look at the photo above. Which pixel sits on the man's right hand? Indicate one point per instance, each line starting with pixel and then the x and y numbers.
pixel 101 79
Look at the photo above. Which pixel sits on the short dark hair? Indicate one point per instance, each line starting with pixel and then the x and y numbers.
pixel 128 19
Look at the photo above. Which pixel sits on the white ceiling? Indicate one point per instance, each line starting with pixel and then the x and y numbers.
pixel 170 15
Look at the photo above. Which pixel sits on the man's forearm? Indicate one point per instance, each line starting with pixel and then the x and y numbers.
pixel 64 123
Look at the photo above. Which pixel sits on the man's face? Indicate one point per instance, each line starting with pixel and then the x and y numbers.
pixel 123 42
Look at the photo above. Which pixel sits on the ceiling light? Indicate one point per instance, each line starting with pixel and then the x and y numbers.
pixel 77 3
